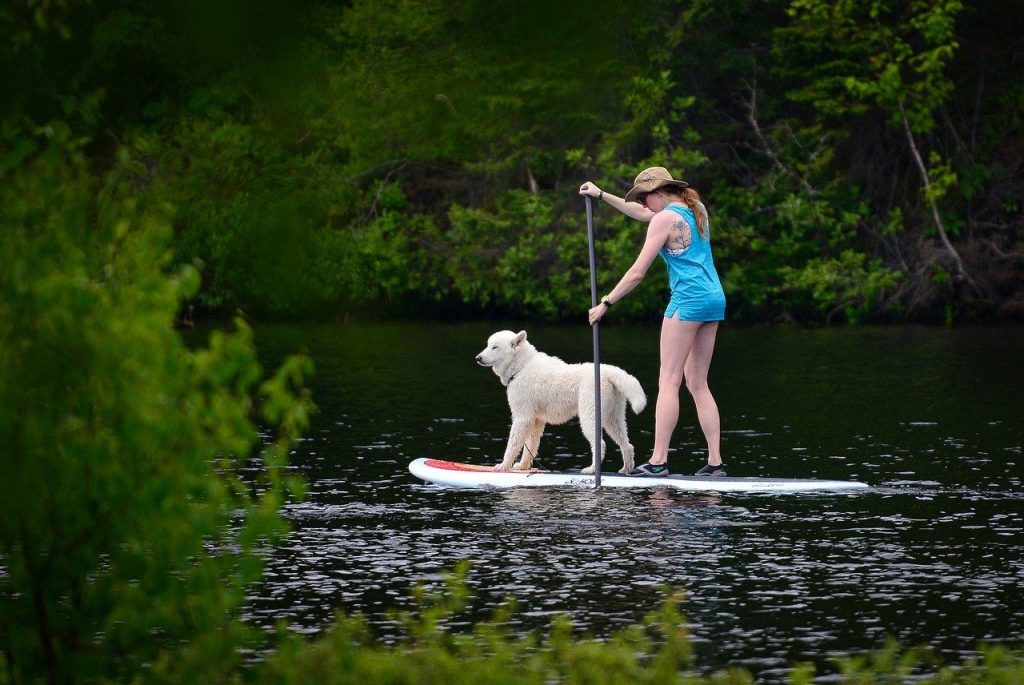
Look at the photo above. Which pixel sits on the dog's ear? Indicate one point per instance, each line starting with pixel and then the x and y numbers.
pixel 520 337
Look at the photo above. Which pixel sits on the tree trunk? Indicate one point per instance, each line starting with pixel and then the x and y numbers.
pixel 940 227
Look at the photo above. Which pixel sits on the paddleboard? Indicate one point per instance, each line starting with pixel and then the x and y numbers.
pixel 459 475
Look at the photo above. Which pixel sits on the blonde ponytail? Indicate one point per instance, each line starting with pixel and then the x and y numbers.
pixel 692 199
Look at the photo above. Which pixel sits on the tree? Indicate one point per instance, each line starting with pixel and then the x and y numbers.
pixel 903 48
pixel 127 537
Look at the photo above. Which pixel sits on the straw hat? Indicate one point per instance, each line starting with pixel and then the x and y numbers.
pixel 649 180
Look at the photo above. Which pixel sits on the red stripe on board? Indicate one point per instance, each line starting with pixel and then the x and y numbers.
pixel 458 466
pixel 453 466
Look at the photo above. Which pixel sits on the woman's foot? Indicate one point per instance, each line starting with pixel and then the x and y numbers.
pixel 709 470
pixel 650 469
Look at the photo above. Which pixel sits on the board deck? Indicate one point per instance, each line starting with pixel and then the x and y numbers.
pixel 460 475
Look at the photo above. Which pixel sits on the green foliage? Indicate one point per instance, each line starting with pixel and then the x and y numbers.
pixel 656 650
pixel 512 257
pixel 429 86
pixel 995 665
pixel 889 664
pixel 319 158
pixel 893 53
pixel 941 177
pixel 244 210
pixel 120 475
pixel 392 258
pixel 850 283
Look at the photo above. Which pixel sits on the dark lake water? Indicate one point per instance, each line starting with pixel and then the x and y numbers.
pixel 933 554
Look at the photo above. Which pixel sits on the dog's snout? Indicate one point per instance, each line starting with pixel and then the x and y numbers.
pixel 478 357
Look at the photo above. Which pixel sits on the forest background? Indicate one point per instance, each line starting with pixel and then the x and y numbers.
pixel 861 160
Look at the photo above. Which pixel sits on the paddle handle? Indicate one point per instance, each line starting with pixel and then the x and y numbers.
pixel 597 344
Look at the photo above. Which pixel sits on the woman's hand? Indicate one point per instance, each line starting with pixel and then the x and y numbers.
pixel 597 312
pixel 590 189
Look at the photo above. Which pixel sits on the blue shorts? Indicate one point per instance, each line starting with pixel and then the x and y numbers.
pixel 707 307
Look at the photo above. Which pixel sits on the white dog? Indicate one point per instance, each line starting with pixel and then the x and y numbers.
pixel 543 389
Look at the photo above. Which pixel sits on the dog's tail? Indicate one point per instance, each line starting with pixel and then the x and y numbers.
pixel 630 387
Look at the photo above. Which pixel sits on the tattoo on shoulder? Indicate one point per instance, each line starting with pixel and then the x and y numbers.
pixel 680 236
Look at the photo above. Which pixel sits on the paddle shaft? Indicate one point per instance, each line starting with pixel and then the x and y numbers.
pixel 597 345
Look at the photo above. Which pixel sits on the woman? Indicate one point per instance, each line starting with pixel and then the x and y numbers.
pixel 679 232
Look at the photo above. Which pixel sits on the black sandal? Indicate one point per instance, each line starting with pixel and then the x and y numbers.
pixel 649 469
pixel 709 470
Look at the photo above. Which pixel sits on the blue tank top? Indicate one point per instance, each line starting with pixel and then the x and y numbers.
pixel 691 270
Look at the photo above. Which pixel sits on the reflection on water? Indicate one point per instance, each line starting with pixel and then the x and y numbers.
pixel 931 554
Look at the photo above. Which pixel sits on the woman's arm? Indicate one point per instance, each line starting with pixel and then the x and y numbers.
pixel 657 235
pixel 634 210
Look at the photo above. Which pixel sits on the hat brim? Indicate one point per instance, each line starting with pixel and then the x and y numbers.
pixel 642 188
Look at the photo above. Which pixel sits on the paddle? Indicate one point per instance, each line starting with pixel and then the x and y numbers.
pixel 597 345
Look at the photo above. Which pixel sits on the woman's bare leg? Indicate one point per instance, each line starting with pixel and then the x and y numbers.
pixel 696 373
pixel 677 339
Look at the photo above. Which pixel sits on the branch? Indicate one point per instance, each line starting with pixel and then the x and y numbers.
pixel 999 253
pixel 387 177
pixel 940 227
pixel 751 106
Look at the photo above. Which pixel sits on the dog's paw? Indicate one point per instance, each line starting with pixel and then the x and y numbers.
pixel 499 467
pixel 521 467
pixel 588 470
